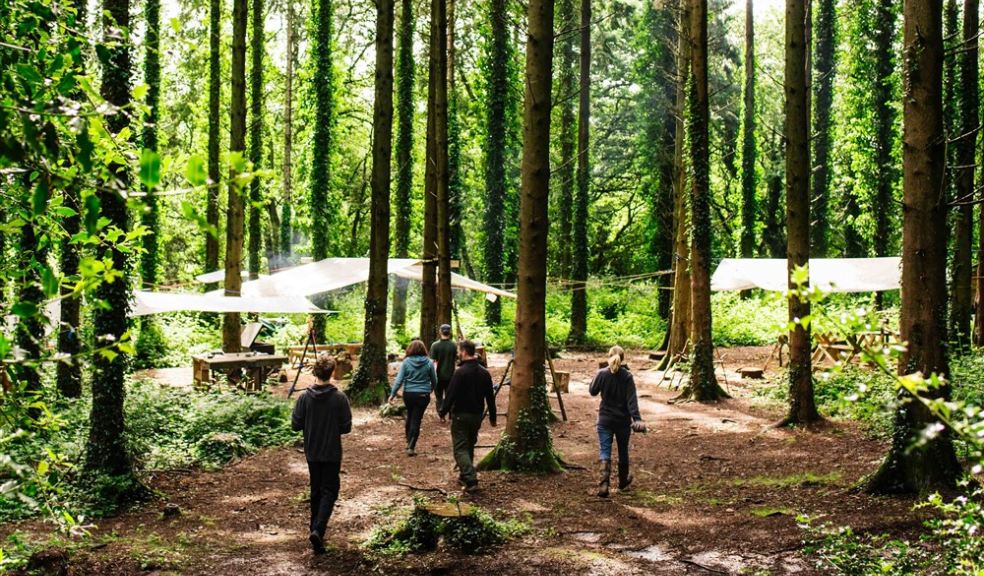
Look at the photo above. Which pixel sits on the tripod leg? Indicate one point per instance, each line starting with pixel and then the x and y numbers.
pixel 300 365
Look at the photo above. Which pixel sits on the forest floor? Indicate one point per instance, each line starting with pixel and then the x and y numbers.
pixel 716 491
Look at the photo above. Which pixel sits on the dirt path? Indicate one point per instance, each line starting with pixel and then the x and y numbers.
pixel 716 492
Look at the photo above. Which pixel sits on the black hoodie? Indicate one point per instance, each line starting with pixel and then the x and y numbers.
pixel 619 404
pixel 323 413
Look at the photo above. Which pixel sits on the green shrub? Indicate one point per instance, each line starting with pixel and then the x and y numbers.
pixel 219 448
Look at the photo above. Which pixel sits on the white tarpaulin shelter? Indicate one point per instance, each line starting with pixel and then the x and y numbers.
pixel 146 303
pixel 828 274
pixel 334 273
pixel 217 276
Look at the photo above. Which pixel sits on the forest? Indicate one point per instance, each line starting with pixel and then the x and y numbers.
pixel 737 239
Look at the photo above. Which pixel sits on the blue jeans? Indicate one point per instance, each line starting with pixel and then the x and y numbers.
pixel 621 437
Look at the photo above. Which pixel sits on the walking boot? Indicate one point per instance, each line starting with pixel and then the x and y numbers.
pixel 624 477
pixel 605 472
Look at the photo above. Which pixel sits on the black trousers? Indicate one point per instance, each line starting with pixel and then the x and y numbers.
pixel 439 390
pixel 325 484
pixel 416 403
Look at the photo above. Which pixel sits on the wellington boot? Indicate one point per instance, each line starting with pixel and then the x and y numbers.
pixel 624 477
pixel 605 472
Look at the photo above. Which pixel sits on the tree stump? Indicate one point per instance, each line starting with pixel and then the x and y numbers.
pixel 751 373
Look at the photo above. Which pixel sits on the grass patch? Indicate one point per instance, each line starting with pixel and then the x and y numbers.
pixel 768 511
pixel 654 500
pixel 801 480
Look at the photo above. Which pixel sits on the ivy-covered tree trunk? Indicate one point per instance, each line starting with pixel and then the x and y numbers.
pixel 972 48
pixel 69 373
pixel 32 255
pixel 152 77
pixel 966 146
pixel 802 406
pixel 825 65
pixel 369 384
pixel 884 102
pixel 702 386
pixel 526 444
pixel 323 83
pixel 231 327
pixel 435 172
pixel 405 77
pixel 917 462
pixel 566 87
pixel 256 136
pixel 499 110
pixel 455 238
pixel 749 209
pixel 679 329
pixel 286 213
pixel 214 175
pixel 579 269
pixel 106 449
pixel 441 157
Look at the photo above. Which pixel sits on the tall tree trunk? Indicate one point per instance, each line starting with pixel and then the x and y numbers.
pixel 32 255
pixel 802 406
pixel 322 208
pixel 579 272
pixel 913 465
pixel 526 443
pixel 566 86
pixel 231 341
pixel 441 157
pixel 106 450
pixel 703 385
pixel 748 206
pixel 886 172
pixel 69 372
pixel 499 110
pixel 214 175
pixel 286 216
pixel 979 280
pixel 680 320
pixel 434 172
pixel 369 384
pixel 152 77
pixel 455 237
pixel 826 52
pixel 405 73
pixel 256 136
pixel 966 144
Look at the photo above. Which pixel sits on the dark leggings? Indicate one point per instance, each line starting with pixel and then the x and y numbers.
pixel 324 491
pixel 416 404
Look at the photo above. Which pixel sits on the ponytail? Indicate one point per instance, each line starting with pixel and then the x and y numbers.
pixel 615 357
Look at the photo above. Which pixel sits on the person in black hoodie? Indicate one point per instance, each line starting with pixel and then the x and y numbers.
pixel 469 392
pixel 618 416
pixel 323 414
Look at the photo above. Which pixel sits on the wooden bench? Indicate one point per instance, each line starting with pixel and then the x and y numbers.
pixel 257 365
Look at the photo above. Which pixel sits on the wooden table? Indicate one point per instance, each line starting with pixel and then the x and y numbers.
pixel 257 365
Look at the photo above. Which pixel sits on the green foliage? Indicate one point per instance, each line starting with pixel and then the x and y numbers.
pixel 840 551
pixel 473 533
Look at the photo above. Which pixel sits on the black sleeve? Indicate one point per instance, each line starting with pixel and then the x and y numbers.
pixel 449 395
pixel 490 397
pixel 596 385
pixel 344 415
pixel 297 417
pixel 632 400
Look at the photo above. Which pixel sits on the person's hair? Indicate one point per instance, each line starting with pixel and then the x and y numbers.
pixel 615 357
pixel 467 346
pixel 417 348
pixel 324 365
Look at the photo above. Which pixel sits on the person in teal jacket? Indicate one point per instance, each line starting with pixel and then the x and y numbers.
pixel 417 377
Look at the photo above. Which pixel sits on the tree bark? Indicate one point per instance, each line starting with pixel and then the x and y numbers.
pixel 406 71
pixel 442 157
pixel 568 132
pixel 434 172
pixel 231 341
pixel 748 205
pixel 256 137
pixel 966 145
pixel 369 384
pixel 802 406
pixel 826 66
pixel 106 450
pixel 579 275
pixel 152 77
pixel 214 175
pixel 323 83
pixel 680 319
pixel 913 466
pixel 702 386
pixel 526 443
pixel 886 174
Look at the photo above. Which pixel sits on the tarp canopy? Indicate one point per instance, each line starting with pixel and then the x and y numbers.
pixel 828 274
pixel 219 276
pixel 335 273
pixel 146 303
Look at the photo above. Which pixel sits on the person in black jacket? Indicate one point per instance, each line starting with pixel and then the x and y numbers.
pixel 323 413
pixel 469 392
pixel 618 416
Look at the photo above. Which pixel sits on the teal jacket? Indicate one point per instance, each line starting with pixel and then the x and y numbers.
pixel 416 375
